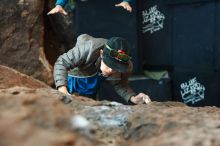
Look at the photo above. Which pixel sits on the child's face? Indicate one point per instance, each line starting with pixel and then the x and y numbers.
pixel 106 71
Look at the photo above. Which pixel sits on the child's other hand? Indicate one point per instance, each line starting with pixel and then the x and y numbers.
pixel 141 98
pixel 57 9
pixel 63 89
pixel 125 5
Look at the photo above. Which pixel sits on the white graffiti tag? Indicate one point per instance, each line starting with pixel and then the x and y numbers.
pixel 192 91
pixel 153 20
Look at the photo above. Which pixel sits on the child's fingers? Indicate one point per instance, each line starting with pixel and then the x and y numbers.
pixel 128 7
pixel 118 5
pixel 53 11
pixel 146 100
pixel 129 10
pixel 64 12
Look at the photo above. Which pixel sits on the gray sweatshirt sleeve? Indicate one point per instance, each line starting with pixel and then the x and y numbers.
pixel 123 90
pixel 67 61
pixel 121 86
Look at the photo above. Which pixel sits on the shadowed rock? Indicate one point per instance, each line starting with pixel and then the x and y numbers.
pixel 60 31
pixel 22 38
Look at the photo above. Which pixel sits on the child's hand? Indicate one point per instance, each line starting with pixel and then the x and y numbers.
pixel 125 5
pixel 141 98
pixel 63 89
pixel 57 9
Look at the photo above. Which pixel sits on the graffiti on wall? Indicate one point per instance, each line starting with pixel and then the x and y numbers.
pixel 153 20
pixel 192 91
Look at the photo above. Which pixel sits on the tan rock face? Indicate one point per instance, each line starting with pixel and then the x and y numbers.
pixel 10 78
pixel 170 124
pixel 22 38
pixel 32 116
pixel 31 113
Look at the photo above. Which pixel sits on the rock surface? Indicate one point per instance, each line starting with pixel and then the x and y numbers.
pixel 10 78
pixel 34 115
pixel 22 38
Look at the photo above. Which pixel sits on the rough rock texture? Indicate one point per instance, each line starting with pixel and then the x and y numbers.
pixel 32 116
pixel 10 78
pixel 157 124
pixel 171 124
pixel 22 38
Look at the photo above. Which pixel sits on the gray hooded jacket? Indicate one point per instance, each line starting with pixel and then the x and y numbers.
pixel 84 60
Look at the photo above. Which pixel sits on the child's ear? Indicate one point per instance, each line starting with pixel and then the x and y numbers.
pixel 101 53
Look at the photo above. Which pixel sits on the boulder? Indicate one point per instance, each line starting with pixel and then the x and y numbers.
pixel 34 114
pixel 22 38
